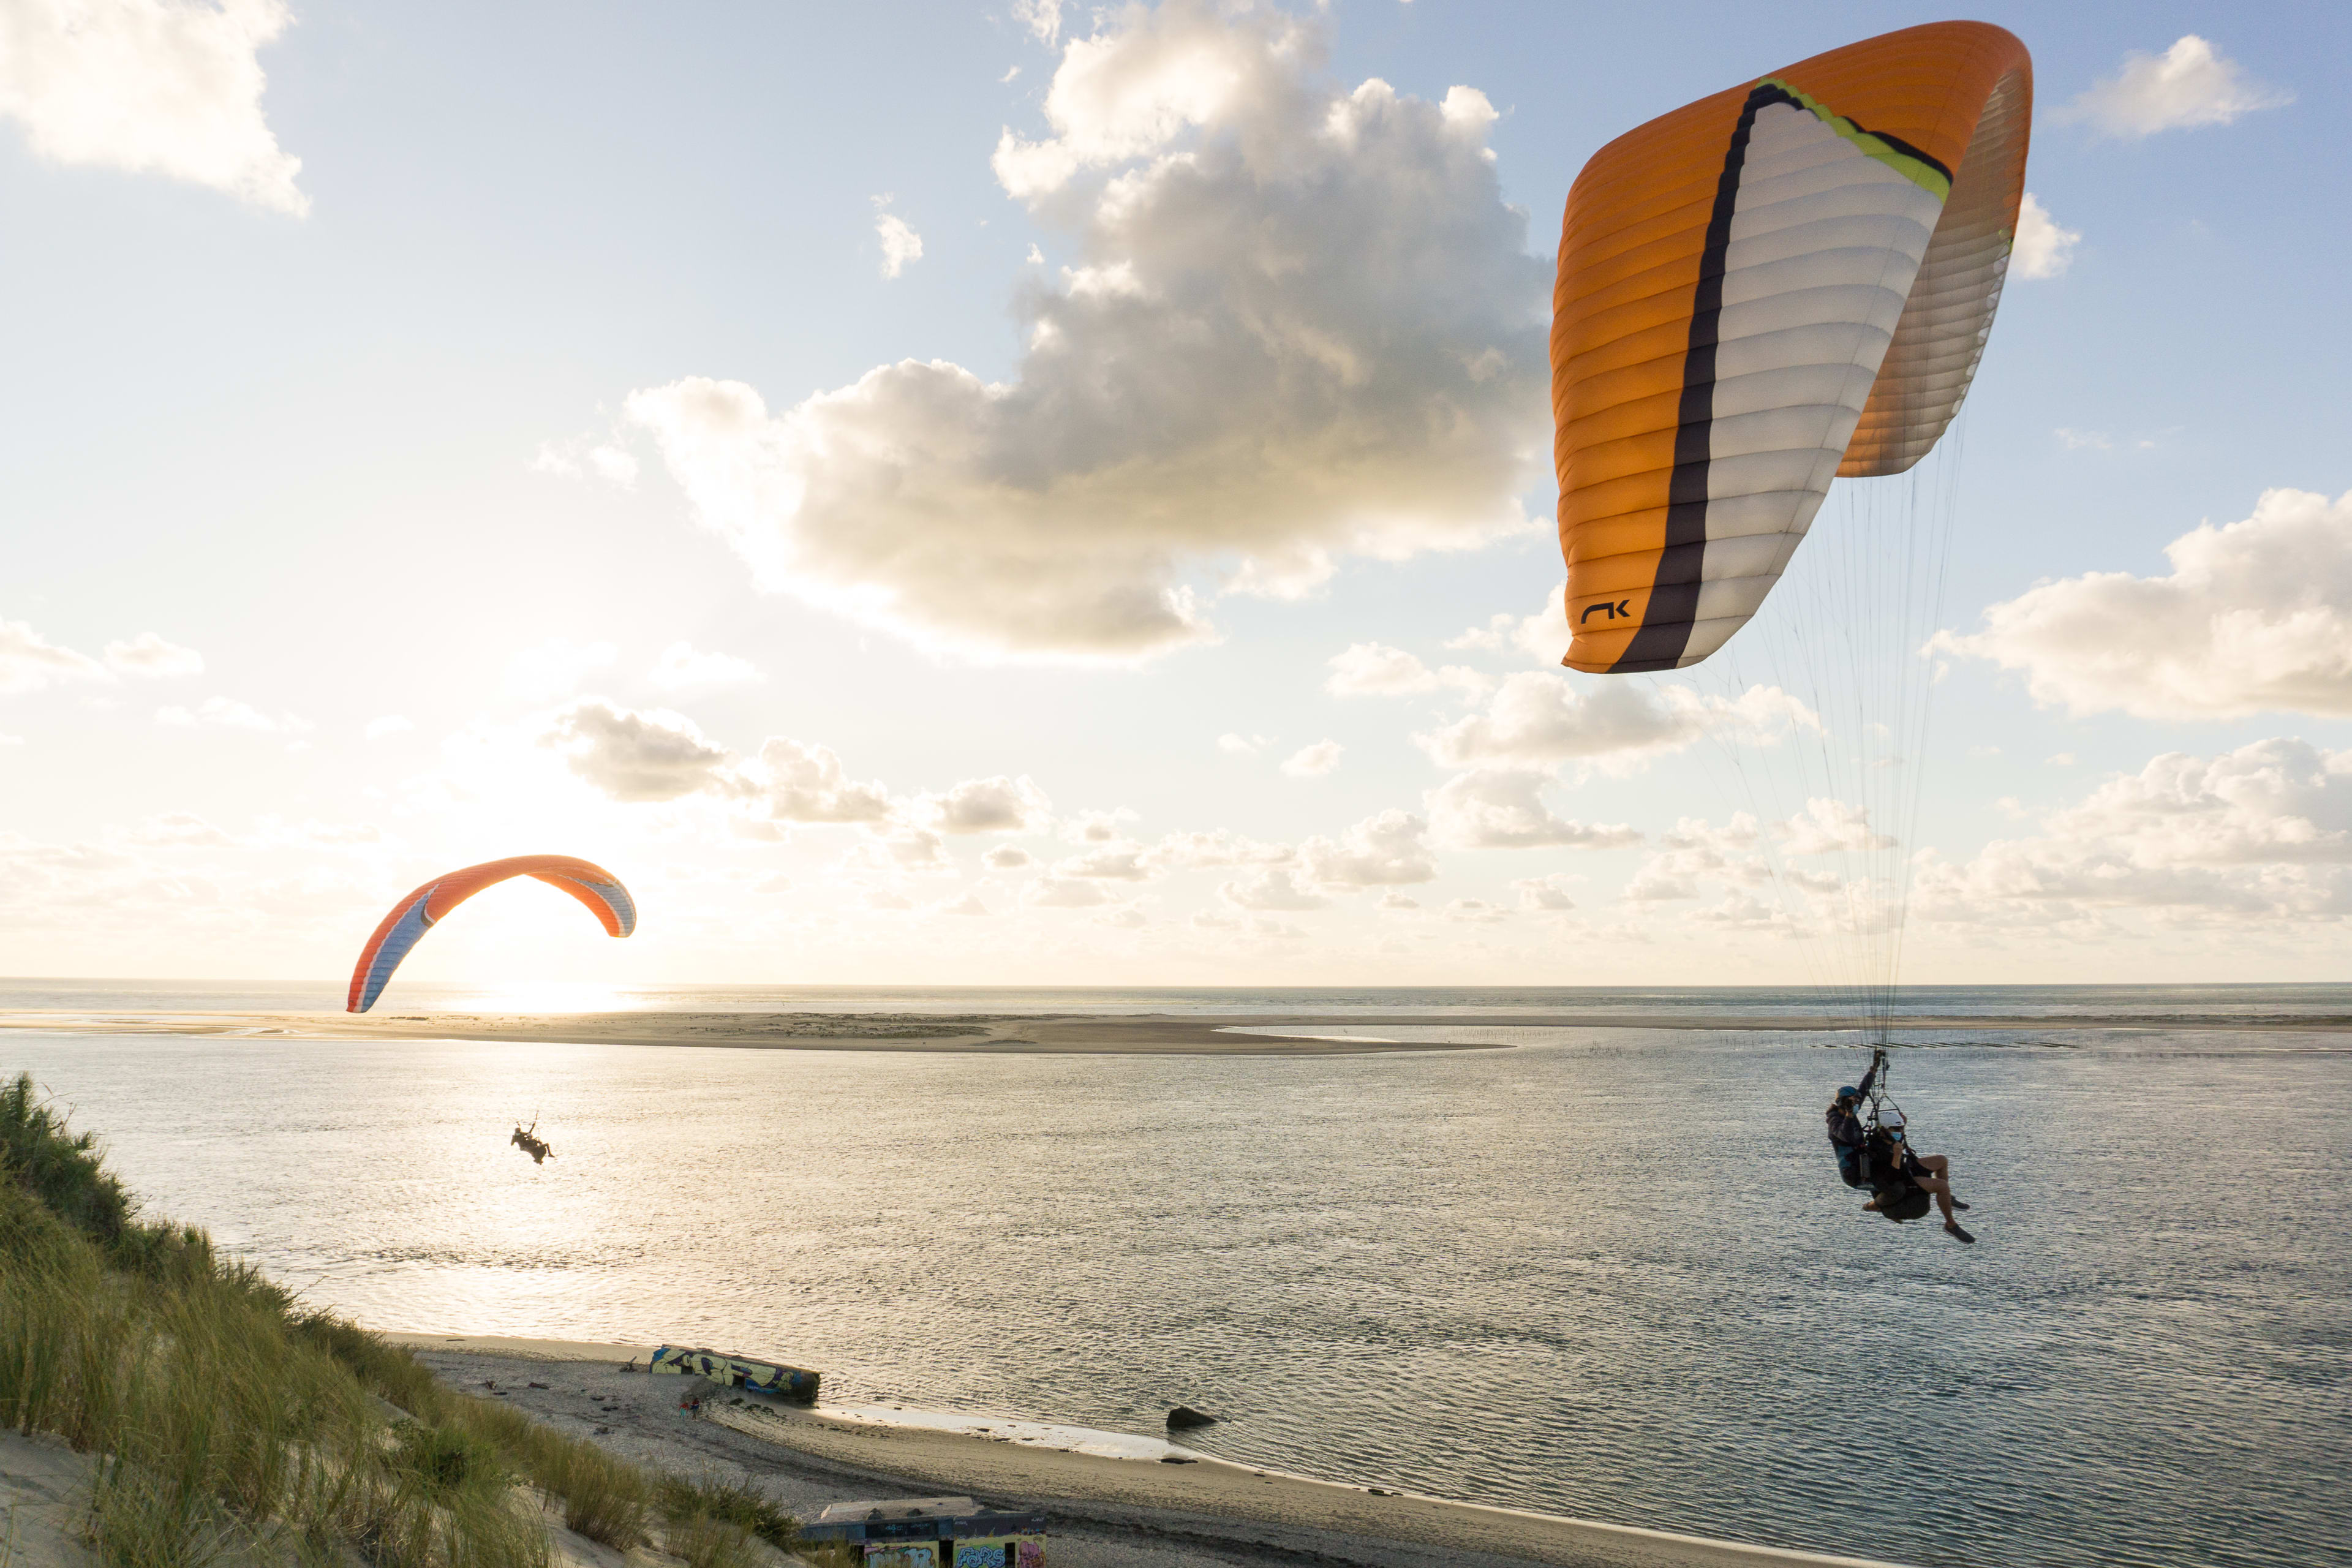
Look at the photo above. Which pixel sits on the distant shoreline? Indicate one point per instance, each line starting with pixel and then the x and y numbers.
pixel 1000 1033
pixel 1245 1511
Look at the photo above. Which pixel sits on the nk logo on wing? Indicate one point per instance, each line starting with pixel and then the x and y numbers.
pixel 1622 607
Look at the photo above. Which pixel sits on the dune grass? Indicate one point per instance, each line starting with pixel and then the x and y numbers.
pixel 225 1417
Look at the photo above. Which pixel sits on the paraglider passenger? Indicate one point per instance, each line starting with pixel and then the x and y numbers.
pixel 1931 1173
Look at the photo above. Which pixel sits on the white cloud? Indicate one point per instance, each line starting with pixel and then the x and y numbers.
pixel 1302 324
pixel 1490 808
pixel 1830 826
pixel 167 86
pixel 1538 719
pixel 1059 893
pixel 389 724
pixel 640 757
pixel 583 458
pixel 1394 902
pixel 900 243
pixel 1478 911
pixel 1271 888
pixel 180 829
pixel 29 661
pixel 1314 762
pixel 1007 857
pixel 806 783
pixel 1241 745
pixel 2255 616
pixel 226 713
pixel 998 804
pixel 1195 851
pixel 1114 863
pixel 2188 85
pixel 2042 249
pixel 1375 670
pixel 1096 827
pixel 1042 17
pixel 1389 850
pixel 1544 895
pixel 1542 638
pixel 149 654
pixel 684 668
pixel 2080 440
pixel 969 904
pixel 555 667
pixel 2256 836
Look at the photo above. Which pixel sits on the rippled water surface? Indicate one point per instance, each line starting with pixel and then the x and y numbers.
pixel 1609 1273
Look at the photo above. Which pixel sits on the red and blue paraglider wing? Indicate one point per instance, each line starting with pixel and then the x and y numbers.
pixel 421 910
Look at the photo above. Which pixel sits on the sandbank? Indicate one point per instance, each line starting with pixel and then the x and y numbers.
pixel 1140 1034
pixel 1108 1512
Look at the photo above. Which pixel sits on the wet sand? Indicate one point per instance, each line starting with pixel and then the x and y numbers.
pixel 1106 1512
pixel 1145 1034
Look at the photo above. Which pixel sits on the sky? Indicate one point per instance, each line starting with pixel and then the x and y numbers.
pixel 1021 493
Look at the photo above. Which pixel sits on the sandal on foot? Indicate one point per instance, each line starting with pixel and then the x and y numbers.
pixel 1952 1228
pixel 1957 1205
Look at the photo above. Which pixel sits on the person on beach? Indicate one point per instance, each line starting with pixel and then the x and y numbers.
pixel 1931 1173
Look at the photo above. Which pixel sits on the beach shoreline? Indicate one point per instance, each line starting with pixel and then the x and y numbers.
pixel 1157 1489
pixel 998 1033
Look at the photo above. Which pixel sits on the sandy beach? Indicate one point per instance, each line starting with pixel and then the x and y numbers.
pixel 1163 1508
pixel 1145 1034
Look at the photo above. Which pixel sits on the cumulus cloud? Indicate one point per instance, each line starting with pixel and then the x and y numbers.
pixel 1271 888
pixel 1539 719
pixel 639 757
pixel 1301 324
pixel 1197 851
pixel 1241 745
pixel 1373 669
pixel 2259 835
pixel 1112 863
pixel 29 661
pixel 2042 249
pixel 2255 616
pixel 1491 808
pixel 583 458
pixel 1063 893
pixel 900 243
pixel 1478 911
pixel 227 713
pixel 1007 857
pixel 1543 895
pixel 555 667
pixel 2188 85
pixel 1542 638
pixel 149 654
pixel 1314 762
pixel 684 668
pixel 806 783
pixel 1042 17
pixel 998 804
pixel 1384 850
pixel 167 87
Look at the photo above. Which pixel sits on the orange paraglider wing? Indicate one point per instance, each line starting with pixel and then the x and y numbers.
pixel 1789 280
pixel 422 909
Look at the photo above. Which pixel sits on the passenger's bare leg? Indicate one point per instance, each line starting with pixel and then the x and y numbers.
pixel 1942 1191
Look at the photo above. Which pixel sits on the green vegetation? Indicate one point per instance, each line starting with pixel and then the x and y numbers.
pixel 225 1418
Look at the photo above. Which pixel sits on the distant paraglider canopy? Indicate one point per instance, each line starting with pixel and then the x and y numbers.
pixel 422 909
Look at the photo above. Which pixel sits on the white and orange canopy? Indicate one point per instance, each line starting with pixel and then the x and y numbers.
pixel 1788 282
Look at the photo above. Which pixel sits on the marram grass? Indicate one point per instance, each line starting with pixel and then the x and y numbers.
pixel 226 1420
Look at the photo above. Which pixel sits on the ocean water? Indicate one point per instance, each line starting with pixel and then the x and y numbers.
pixel 1603 1272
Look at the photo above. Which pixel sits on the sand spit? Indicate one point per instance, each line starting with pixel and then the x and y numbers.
pixel 1106 1512
pixel 1143 1033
